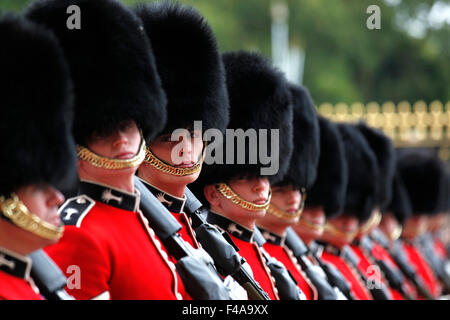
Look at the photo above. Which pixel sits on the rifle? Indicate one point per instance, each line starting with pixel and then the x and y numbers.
pixel 222 249
pixel 408 270
pixel 195 269
pixel 48 277
pixel 300 251
pixel 394 277
pixel 378 293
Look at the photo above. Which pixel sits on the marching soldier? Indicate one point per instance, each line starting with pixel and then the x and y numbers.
pixel 239 194
pixel 119 105
pixel 423 177
pixel 359 204
pixel 38 157
pixel 288 195
pixel 325 200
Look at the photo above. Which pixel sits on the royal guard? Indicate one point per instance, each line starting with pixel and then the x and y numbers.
pixel 359 203
pixel 192 74
pixel 362 245
pixel 38 156
pixel 325 199
pixel 238 192
pixel 288 195
pixel 423 176
pixel 119 106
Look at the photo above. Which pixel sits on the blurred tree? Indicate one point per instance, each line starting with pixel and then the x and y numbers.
pixel 345 61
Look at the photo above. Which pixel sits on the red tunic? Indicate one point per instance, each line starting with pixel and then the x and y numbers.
pixel 357 286
pixel 15 288
pixel 115 251
pixel 366 267
pixel 281 254
pixel 423 269
pixel 251 253
pixel 380 253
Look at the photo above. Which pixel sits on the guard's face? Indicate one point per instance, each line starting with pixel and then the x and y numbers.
pixel 43 201
pixel 182 153
pixel 311 216
pixel 388 224
pixel 414 226
pixel 122 144
pixel 344 223
pixel 286 198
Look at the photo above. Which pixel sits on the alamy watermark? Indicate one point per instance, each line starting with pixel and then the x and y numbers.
pixel 263 147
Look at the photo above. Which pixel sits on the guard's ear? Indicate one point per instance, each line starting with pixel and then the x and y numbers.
pixel 212 195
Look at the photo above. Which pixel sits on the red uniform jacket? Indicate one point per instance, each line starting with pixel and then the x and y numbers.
pixel 276 248
pixel 15 281
pixel 250 251
pixel 367 267
pixel 108 249
pixel 380 253
pixel 358 289
pixel 423 269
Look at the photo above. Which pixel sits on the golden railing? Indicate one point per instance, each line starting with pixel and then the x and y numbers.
pixel 417 125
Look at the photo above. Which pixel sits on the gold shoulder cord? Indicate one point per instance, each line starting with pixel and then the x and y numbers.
pixel 18 213
pixel 154 161
pixel 110 163
pixel 226 191
pixel 333 230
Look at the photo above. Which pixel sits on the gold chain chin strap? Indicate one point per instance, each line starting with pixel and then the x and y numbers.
pixel 109 163
pixel 277 212
pixel 154 161
pixel 372 222
pixel 226 191
pixel 18 213
pixel 310 225
pixel 333 230
pixel 394 235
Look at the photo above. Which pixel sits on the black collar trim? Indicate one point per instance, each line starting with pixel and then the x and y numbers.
pixel 111 196
pixel 15 264
pixel 327 247
pixel 230 226
pixel 271 237
pixel 172 203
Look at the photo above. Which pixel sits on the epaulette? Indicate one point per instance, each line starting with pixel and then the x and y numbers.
pixel 75 209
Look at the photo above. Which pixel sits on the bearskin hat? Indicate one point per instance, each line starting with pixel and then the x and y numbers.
pixel 111 64
pixel 330 186
pixel 260 98
pixel 424 177
pixel 361 193
pixel 302 169
pixel 400 205
pixel 36 108
pixel 189 64
pixel 384 151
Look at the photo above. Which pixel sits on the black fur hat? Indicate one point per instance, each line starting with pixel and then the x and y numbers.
pixel 361 193
pixel 111 64
pixel 400 205
pixel 384 151
pixel 36 108
pixel 260 98
pixel 189 64
pixel 330 186
pixel 424 177
pixel 302 169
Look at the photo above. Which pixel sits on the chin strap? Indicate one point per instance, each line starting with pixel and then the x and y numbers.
pixel 110 163
pixel 349 236
pixel 373 222
pixel 226 191
pixel 15 211
pixel 277 212
pixel 311 225
pixel 159 164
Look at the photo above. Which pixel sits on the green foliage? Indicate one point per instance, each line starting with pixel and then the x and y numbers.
pixel 345 62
